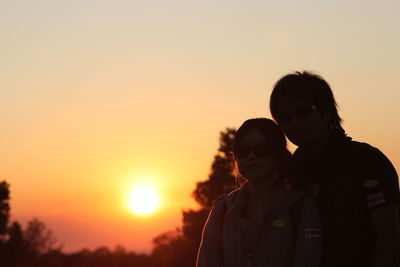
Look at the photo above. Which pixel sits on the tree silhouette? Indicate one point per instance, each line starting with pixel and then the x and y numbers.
pixel 4 217
pixel 27 247
pixel 179 248
pixel 16 252
pixel 221 179
pixel 4 208
pixel 39 239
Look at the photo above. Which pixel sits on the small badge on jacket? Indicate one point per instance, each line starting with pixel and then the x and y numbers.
pixel 278 223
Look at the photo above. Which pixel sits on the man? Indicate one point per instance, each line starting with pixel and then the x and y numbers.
pixel 355 185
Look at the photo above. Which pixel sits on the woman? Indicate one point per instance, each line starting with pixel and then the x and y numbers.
pixel 263 223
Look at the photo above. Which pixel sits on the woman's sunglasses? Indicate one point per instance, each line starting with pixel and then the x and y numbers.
pixel 261 151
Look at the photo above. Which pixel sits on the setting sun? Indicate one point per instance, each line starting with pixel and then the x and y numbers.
pixel 143 200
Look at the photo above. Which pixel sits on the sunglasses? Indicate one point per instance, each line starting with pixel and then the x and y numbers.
pixel 261 151
pixel 299 113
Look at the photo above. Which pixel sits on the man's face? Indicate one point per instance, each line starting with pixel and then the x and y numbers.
pixel 302 123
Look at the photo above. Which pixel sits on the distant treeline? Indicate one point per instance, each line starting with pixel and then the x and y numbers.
pixel 35 245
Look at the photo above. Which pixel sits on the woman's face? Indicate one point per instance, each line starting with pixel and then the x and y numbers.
pixel 256 157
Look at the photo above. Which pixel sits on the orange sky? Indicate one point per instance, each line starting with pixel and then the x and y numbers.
pixel 96 96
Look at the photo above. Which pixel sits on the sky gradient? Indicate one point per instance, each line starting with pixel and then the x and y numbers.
pixel 96 96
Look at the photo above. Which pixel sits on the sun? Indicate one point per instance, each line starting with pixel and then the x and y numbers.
pixel 143 200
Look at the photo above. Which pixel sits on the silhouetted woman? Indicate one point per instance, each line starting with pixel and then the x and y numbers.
pixel 264 222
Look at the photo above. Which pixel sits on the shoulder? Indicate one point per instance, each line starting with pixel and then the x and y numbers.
pixel 379 177
pixel 219 202
pixel 371 161
pixel 230 198
pixel 362 149
pixel 368 157
pixel 226 199
pixel 366 152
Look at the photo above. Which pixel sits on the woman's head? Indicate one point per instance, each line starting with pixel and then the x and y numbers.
pixel 260 149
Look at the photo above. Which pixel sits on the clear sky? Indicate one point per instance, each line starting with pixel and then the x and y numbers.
pixel 96 96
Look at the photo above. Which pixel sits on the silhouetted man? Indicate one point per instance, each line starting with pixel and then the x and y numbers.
pixel 355 185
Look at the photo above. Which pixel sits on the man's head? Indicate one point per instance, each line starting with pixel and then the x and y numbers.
pixel 303 105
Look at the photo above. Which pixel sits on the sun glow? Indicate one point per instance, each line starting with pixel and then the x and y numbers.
pixel 143 200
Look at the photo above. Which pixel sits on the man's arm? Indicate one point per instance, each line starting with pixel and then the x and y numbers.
pixel 385 223
pixel 383 200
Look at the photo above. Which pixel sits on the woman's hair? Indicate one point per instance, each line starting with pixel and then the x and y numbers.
pixel 309 86
pixel 271 132
pixel 269 129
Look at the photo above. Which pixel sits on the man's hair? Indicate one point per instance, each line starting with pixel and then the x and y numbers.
pixel 309 86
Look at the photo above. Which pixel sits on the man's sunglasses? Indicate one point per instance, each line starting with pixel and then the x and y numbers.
pixel 299 113
pixel 261 151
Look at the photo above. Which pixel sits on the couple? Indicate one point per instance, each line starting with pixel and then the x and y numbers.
pixel 335 202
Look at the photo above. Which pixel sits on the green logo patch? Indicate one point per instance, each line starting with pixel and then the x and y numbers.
pixel 370 183
pixel 279 223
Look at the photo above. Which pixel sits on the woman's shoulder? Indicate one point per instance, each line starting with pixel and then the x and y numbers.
pixel 229 198
pixel 232 196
